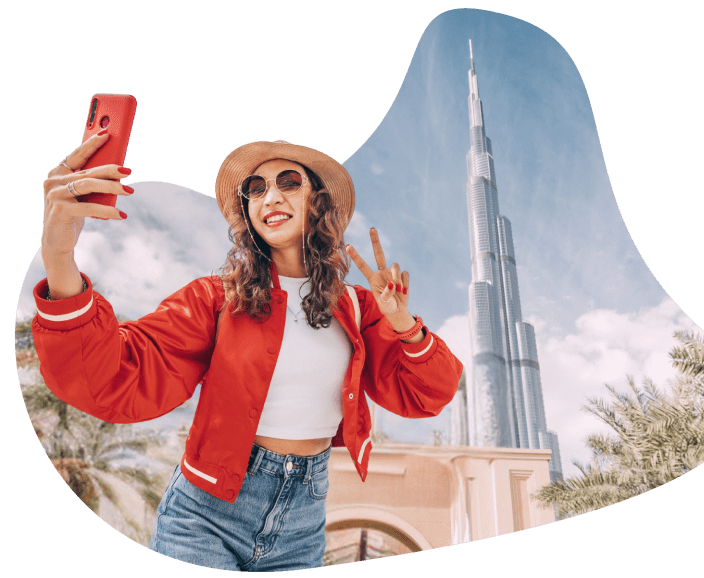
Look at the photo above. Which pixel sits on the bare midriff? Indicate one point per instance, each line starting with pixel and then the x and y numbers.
pixel 294 447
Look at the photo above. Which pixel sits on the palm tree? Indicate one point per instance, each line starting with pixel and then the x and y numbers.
pixel 95 458
pixel 658 437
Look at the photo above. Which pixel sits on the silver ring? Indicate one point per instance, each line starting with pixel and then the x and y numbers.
pixel 64 163
pixel 382 267
pixel 384 300
pixel 71 188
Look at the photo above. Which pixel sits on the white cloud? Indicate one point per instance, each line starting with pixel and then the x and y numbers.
pixel 455 332
pixel 172 236
pixel 604 347
pixel 538 324
pixel 357 235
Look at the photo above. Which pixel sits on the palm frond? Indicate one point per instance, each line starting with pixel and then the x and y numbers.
pixel 657 436
pixel 689 358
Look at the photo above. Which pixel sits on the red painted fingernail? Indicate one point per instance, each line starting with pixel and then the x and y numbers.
pixel 123 215
pixel 124 171
pixel 405 290
pixel 398 287
pixel 391 285
pixel 128 190
pixel 102 132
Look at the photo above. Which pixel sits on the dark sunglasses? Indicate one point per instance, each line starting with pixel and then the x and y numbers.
pixel 288 182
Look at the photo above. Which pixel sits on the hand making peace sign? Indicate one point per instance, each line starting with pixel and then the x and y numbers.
pixel 389 287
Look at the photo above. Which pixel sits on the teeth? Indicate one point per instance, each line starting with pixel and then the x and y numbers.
pixel 277 218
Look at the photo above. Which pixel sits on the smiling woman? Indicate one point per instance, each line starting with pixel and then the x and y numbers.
pixel 292 222
pixel 276 394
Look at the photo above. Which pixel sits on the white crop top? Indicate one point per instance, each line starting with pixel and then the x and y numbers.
pixel 305 395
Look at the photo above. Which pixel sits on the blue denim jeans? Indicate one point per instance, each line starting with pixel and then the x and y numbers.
pixel 277 521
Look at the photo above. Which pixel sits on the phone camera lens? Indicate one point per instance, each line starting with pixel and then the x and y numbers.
pixel 104 122
pixel 93 106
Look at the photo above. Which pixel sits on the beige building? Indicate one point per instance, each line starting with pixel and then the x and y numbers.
pixel 420 497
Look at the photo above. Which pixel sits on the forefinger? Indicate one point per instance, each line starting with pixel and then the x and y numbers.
pixel 378 251
pixel 80 156
pixel 361 265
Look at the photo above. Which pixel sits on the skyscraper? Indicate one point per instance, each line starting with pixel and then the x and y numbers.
pixel 503 391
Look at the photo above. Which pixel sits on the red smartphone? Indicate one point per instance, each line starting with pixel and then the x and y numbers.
pixel 114 112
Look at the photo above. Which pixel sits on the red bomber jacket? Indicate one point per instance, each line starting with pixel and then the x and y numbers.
pixel 139 370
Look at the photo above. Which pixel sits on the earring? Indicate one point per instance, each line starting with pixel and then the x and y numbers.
pixel 303 232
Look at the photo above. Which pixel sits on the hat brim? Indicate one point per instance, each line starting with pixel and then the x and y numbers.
pixel 243 161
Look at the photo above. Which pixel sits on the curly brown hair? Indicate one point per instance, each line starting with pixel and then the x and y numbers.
pixel 246 275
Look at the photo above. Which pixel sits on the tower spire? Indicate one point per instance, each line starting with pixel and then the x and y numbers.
pixel 504 393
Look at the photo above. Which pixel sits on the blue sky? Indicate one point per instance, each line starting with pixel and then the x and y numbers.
pixel 598 311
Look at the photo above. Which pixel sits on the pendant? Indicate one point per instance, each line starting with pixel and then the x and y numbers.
pixel 295 315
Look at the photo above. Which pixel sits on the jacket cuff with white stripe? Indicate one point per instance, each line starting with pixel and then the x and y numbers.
pixel 421 351
pixel 64 314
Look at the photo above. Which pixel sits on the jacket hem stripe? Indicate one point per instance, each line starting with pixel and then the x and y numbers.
pixel 361 451
pixel 199 473
pixel 66 316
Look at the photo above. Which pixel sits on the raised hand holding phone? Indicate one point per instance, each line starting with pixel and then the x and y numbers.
pixel 64 215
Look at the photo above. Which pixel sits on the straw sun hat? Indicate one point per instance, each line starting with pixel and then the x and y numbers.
pixel 243 161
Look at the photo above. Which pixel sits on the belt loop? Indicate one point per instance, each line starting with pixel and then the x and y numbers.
pixel 257 460
pixel 309 470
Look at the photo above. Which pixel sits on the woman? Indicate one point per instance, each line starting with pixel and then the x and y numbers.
pixel 284 349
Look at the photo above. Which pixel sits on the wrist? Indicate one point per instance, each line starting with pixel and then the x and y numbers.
pixel 414 334
pixel 402 325
pixel 63 277
pixel 417 338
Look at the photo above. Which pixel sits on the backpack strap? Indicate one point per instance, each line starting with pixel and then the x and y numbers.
pixel 357 313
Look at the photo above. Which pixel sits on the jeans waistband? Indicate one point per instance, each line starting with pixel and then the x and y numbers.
pixel 289 465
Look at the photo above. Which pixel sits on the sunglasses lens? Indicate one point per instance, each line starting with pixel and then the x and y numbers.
pixel 253 187
pixel 288 182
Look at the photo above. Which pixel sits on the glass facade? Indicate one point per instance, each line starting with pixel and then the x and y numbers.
pixel 503 391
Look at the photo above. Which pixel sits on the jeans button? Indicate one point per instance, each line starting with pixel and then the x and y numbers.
pixel 289 466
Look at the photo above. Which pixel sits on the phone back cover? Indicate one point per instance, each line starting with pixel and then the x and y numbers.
pixel 120 110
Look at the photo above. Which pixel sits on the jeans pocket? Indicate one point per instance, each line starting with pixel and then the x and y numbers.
pixel 318 485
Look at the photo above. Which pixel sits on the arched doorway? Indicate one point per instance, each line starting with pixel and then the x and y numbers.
pixel 366 533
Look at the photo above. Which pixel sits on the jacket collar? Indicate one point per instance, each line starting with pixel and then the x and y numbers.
pixel 274 276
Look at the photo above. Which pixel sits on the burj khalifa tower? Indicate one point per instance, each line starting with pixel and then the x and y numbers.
pixel 503 390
